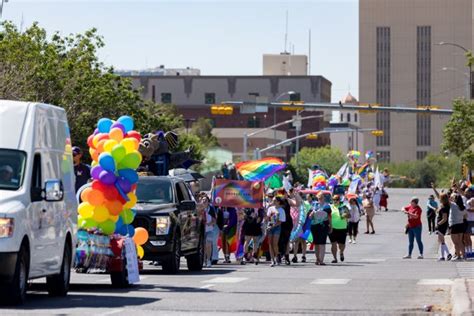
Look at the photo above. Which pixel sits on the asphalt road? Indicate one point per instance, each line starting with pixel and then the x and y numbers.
pixel 373 280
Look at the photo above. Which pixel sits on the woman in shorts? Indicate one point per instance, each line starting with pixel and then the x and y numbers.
pixel 275 216
pixel 320 227
pixel 369 210
pixel 457 225
pixel 442 226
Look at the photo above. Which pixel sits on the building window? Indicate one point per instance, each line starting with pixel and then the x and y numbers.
pixel 253 122
pixel 355 117
pixel 166 98
pixel 342 117
pixel 420 155
pixel 153 94
pixel 382 84
pixel 348 117
pixel 423 84
pixel 209 98
pixel 383 156
pixel 254 94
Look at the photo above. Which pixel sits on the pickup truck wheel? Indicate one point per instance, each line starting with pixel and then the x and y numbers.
pixel 15 292
pixel 171 263
pixel 58 285
pixel 196 261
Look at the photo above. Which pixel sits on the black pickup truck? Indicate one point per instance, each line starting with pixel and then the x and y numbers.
pixel 167 210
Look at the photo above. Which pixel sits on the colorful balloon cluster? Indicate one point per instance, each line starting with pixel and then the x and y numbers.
pixel 369 155
pixel 140 237
pixel 353 155
pixel 108 202
pixel 319 180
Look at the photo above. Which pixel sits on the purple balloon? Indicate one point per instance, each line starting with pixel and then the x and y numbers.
pixel 95 172
pixel 107 177
pixel 119 125
pixel 96 131
pixel 124 185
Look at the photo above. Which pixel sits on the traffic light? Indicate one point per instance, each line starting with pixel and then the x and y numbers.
pixel 312 136
pixel 222 110
pixel 377 133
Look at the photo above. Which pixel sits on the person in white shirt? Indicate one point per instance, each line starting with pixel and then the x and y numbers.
pixel 275 216
pixel 353 224
pixel 456 225
pixel 469 195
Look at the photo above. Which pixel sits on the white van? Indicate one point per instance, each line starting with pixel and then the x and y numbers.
pixel 38 207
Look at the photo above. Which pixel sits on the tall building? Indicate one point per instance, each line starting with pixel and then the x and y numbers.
pixel 402 63
pixel 285 64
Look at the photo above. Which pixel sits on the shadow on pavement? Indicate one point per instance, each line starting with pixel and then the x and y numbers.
pixel 174 289
pixel 212 271
pixel 43 301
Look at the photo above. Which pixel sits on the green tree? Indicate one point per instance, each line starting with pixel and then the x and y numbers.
pixel 187 141
pixel 65 71
pixel 331 159
pixel 202 128
pixel 459 132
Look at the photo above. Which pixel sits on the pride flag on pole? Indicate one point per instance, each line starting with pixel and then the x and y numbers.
pixel 258 170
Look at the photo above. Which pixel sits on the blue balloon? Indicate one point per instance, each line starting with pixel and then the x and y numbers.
pixel 122 230
pixel 107 162
pixel 127 122
pixel 129 174
pixel 104 125
pixel 130 230
pixel 119 222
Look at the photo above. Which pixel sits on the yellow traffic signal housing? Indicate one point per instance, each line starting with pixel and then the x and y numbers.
pixel 222 110
pixel 312 136
pixel 377 133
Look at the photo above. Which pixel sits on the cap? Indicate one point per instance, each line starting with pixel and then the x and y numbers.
pixel 414 198
pixel 6 168
pixel 76 150
pixel 270 192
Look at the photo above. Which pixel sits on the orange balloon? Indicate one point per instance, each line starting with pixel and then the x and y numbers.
pixel 114 207
pixel 85 194
pixel 95 197
pixel 141 236
pixel 94 154
pixel 100 145
pixel 116 133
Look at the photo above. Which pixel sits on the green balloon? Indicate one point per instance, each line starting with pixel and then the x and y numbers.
pixel 127 216
pixel 107 227
pixel 89 223
pixel 118 152
pixel 130 161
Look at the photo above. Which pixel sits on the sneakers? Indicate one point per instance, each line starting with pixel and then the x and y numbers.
pixel 295 259
pixel 303 259
pixel 373 232
pixel 350 241
pixel 420 257
pixel 227 259
pixel 334 261
pixel 407 257
pixel 273 264
pixel 354 241
pixel 450 256
pixel 208 264
pixel 342 257
pixel 441 259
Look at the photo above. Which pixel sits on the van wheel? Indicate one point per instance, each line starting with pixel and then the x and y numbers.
pixel 196 261
pixel 15 293
pixel 58 285
pixel 171 263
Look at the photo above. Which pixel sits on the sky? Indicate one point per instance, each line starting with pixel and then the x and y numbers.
pixel 220 37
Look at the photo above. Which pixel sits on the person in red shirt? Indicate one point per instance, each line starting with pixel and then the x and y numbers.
pixel 414 226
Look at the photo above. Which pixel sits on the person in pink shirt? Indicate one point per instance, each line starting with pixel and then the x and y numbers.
pixel 413 228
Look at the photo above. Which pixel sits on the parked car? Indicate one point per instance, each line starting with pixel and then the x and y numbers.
pixel 38 208
pixel 167 210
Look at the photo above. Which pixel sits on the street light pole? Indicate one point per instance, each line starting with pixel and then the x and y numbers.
pixel 274 110
pixel 466 51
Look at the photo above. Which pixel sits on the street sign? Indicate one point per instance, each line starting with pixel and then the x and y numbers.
pixel 297 121
pixel 248 109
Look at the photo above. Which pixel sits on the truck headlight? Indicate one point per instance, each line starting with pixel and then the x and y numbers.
pixel 163 225
pixel 6 227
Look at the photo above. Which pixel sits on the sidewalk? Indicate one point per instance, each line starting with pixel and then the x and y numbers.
pixel 462 291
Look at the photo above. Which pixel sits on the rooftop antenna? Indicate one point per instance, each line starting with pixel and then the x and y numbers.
pixel 22 22
pixel 286 32
pixel 309 53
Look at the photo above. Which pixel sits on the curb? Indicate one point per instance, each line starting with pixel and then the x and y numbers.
pixel 460 299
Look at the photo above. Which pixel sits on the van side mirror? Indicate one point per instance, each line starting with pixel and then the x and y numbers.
pixel 187 205
pixel 53 190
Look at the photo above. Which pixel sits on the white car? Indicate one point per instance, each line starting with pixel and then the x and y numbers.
pixel 38 208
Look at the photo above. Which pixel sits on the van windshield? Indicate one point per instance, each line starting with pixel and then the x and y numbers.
pixel 12 169
pixel 155 191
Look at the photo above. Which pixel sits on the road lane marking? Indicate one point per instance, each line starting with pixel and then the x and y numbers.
pixel 435 282
pixel 373 260
pixel 114 311
pixel 207 286
pixel 331 281
pixel 225 280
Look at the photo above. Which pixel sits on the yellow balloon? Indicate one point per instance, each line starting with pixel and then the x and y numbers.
pixel 114 218
pixel 109 145
pixel 140 251
pixel 94 163
pixel 132 200
pixel 101 214
pixel 130 144
pixel 86 210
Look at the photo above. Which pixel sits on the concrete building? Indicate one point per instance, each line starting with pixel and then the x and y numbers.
pixel 351 140
pixel 285 64
pixel 161 71
pixel 401 63
pixel 194 95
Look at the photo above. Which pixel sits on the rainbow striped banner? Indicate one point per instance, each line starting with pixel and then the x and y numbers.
pixel 258 170
pixel 233 193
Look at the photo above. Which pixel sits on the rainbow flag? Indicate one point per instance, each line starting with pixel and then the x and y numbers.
pixel 363 170
pixel 257 170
